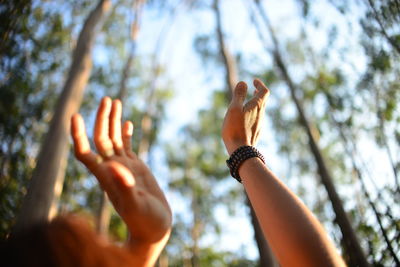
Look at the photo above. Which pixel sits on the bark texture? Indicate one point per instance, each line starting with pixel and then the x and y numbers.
pixel 40 203
pixel 134 31
pixel 351 244
pixel 267 258
pixel 104 212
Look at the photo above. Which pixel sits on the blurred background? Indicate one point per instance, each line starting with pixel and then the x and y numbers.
pixel 331 133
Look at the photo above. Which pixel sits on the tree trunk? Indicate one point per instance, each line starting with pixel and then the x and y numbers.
pixel 383 31
pixel 104 212
pixel 40 203
pixel 144 144
pixel 350 241
pixel 267 258
pixel 351 155
pixel 196 232
pixel 103 215
pixel 231 76
pixel 385 142
pixel 147 120
pixel 134 31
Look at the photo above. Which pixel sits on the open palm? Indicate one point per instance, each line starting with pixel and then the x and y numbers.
pixel 242 123
pixel 128 182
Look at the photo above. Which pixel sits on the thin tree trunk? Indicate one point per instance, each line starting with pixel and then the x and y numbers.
pixel 382 130
pixel 377 216
pixel 196 232
pixel 134 31
pixel 144 144
pixel 267 258
pixel 391 41
pixel 351 243
pixel 147 121
pixel 345 141
pixel 350 147
pixel 231 76
pixel 103 216
pixel 46 184
pixel 104 212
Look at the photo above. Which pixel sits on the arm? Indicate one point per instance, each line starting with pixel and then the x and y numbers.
pixel 295 235
pixel 128 182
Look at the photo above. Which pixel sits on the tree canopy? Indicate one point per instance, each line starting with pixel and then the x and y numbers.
pixel 332 70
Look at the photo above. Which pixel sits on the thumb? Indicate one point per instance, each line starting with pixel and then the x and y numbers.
pixel 239 94
pixel 121 174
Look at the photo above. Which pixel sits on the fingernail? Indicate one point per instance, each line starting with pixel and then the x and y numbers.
pixel 241 85
pixel 116 102
pixel 130 129
pixel 107 99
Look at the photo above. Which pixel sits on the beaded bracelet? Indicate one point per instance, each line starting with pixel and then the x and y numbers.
pixel 239 156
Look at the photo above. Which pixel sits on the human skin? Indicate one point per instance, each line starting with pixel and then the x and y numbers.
pixel 295 235
pixel 128 182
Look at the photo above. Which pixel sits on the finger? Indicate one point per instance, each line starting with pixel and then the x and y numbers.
pixel 259 98
pixel 105 177
pixel 263 91
pixel 122 176
pixel 239 94
pixel 255 138
pixel 121 190
pixel 255 92
pixel 253 103
pixel 127 132
pixel 115 127
pixel 101 136
pixel 81 143
pixel 256 129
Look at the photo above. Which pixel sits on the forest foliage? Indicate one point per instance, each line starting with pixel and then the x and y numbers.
pixel 340 56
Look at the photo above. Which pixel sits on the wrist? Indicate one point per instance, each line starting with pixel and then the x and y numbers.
pixel 232 146
pixel 239 156
pixel 146 253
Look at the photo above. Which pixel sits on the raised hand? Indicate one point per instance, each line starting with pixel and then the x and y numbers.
pixel 243 121
pixel 128 182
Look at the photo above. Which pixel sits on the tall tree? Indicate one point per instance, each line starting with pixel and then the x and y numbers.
pixel 351 243
pixel 231 77
pixel 196 171
pixel 386 15
pixel 11 16
pixel 47 180
pixel 104 212
pixel 28 86
pixel 137 7
pixel 381 42
pixel 344 110
pixel 350 149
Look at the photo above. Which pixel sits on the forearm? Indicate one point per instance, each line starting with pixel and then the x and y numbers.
pixel 295 235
